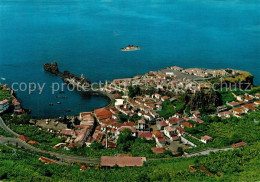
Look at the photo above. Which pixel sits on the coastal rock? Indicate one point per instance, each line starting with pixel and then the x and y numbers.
pixel 52 68
pixel 66 76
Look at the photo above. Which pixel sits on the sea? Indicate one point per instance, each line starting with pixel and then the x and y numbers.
pixel 85 37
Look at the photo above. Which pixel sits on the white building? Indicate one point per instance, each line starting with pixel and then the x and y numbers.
pixel 169 131
pixel 141 125
pixel 205 139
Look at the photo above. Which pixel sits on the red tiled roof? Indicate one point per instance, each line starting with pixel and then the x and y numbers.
pixel 141 122
pixel 187 124
pixel 169 128
pixel 161 139
pixel 110 161
pixel 198 120
pixel 158 150
pixel 83 168
pixel 3 101
pixel 68 132
pixel 117 96
pixel 162 123
pixel 72 145
pixel 46 160
pixel 175 120
pixel 33 142
pixel 23 138
pixel 83 114
pixel 206 137
pixel 236 145
pixel 157 134
pixel 122 128
pixel 146 135
pixel 174 138
pixel 102 112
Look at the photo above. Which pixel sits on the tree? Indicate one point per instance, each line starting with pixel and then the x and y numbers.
pixel 180 150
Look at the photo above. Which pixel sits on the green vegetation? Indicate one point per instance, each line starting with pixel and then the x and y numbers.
pixel 235 165
pixel 242 76
pixel 225 132
pixel 167 109
pixel 122 118
pixel 4 94
pixel 134 91
pixel 226 96
pixel 170 108
pixel 4 133
pixel 34 133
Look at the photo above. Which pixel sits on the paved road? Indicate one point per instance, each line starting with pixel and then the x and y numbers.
pixel 63 157
pixel 6 128
pixel 206 152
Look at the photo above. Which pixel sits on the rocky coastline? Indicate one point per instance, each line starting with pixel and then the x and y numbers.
pixel 66 75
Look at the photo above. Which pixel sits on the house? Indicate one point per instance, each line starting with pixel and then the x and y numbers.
pixel 4 105
pixel 47 161
pixel 17 105
pixel 225 114
pixel 82 135
pixel 103 113
pixel 221 108
pixel 169 131
pixel 141 125
pixel 148 116
pixel 83 168
pixel 197 120
pixel 84 114
pixel 205 139
pixel 158 150
pixel 160 141
pixel 164 98
pixel 175 121
pixel 195 114
pixel 119 102
pixel 240 97
pixel 257 102
pixel 235 104
pixel 250 107
pixel 33 142
pixel 177 68
pixel 157 96
pixel 180 131
pixel 187 125
pixel 122 161
pixel 71 145
pixel 238 110
pixel 248 99
pixel 117 96
pixel 23 138
pixel 240 144
pixel 145 135
pixel 161 124
pixel 157 134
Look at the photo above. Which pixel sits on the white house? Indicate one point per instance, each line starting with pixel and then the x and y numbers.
pixel 205 139
pixel 119 102
pixel 4 105
pixel 169 131
pixel 141 125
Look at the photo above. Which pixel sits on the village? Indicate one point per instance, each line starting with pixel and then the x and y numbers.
pixel 140 114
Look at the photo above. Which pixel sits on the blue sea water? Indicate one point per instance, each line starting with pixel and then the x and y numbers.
pixel 85 36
